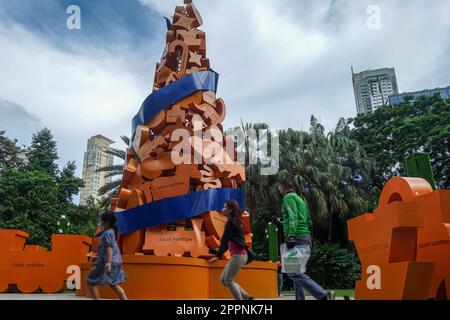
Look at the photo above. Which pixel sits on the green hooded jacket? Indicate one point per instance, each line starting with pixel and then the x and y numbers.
pixel 296 219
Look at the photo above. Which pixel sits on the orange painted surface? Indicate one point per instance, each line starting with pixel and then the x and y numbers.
pixel 30 267
pixel 215 223
pixel 150 171
pixel 408 237
pixel 260 279
pixel 132 243
pixel 151 277
pixel 161 242
pixel 161 262
pixel 434 240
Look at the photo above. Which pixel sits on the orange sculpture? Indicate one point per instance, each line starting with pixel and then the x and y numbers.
pixel 153 277
pixel 150 173
pixel 31 267
pixel 169 260
pixel 404 246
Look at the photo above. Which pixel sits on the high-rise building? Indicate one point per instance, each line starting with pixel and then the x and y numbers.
pixel 95 158
pixel 400 98
pixel 373 88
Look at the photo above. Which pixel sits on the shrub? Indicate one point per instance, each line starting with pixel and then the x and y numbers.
pixel 333 267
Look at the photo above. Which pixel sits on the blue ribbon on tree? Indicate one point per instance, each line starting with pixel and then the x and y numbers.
pixel 172 93
pixel 171 210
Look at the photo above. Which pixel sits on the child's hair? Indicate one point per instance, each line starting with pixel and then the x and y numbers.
pixel 236 212
pixel 111 219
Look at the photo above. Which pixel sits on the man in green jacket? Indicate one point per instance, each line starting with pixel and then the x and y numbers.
pixel 297 226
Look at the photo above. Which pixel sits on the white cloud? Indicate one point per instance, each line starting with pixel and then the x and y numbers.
pixel 18 122
pixel 75 95
pixel 164 7
pixel 280 61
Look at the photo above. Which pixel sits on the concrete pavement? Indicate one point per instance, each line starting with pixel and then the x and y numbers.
pixel 72 296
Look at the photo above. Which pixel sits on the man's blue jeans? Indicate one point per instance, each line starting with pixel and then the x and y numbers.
pixel 303 281
pixel 280 283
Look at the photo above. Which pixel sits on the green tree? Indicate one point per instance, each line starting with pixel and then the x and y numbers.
pixel 331 172
pixel 42 154
pixel 28 203
pixel 109 190
pixel 38 198
pixel 82 219
pixel 68 183
pixel 10 153
pixel 392 133
pixel 74 219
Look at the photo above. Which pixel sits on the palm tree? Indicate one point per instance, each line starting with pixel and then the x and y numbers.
pixel 331 172
pixel 110 189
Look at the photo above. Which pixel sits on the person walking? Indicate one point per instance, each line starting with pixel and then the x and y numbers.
pixel 279 224
pixel 108 263
pixel 233 240
pixel 280 280
pixel 297 224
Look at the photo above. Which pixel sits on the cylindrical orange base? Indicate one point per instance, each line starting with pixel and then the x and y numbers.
pixel 151 277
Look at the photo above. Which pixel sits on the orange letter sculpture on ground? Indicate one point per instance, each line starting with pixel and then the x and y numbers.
pixel 408 239
pixel 30 267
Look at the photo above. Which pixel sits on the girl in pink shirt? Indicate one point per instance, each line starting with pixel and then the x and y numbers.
pixel 233 240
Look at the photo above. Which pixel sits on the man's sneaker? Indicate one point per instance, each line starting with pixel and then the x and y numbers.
pixel 331 295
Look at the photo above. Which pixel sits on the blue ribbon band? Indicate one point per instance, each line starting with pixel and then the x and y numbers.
pixel 174 92
pixel 176 209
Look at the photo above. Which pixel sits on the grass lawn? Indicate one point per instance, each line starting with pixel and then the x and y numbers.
pixel 344 292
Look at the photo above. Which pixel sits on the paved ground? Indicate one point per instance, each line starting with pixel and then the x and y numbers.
pixel 17 296
pixel 72 296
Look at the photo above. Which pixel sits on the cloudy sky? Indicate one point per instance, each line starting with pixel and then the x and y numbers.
pixel 280 61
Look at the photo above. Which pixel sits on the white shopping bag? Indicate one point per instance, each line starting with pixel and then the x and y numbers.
pixel 293 260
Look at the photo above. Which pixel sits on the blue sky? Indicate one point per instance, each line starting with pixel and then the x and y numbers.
pixel 106 24
pixel 280 61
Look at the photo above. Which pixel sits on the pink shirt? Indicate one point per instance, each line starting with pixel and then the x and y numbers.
pixel 235 248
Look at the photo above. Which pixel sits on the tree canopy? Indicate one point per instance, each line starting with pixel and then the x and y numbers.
pixel 331 172
pixel 42 154
pixel 392 133
pixel 10 153
pixel 37 197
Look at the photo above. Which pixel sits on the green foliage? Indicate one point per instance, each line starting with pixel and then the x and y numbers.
pixel 82 219
pixel 109 190
pixel 38 198
pixel 68 183
pixel 333 267
pixel 10 153
pixel 392 133
pixel 29 202
pixel 42 153
pixel 331 172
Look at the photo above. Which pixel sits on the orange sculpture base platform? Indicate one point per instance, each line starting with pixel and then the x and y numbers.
pixel 151 277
